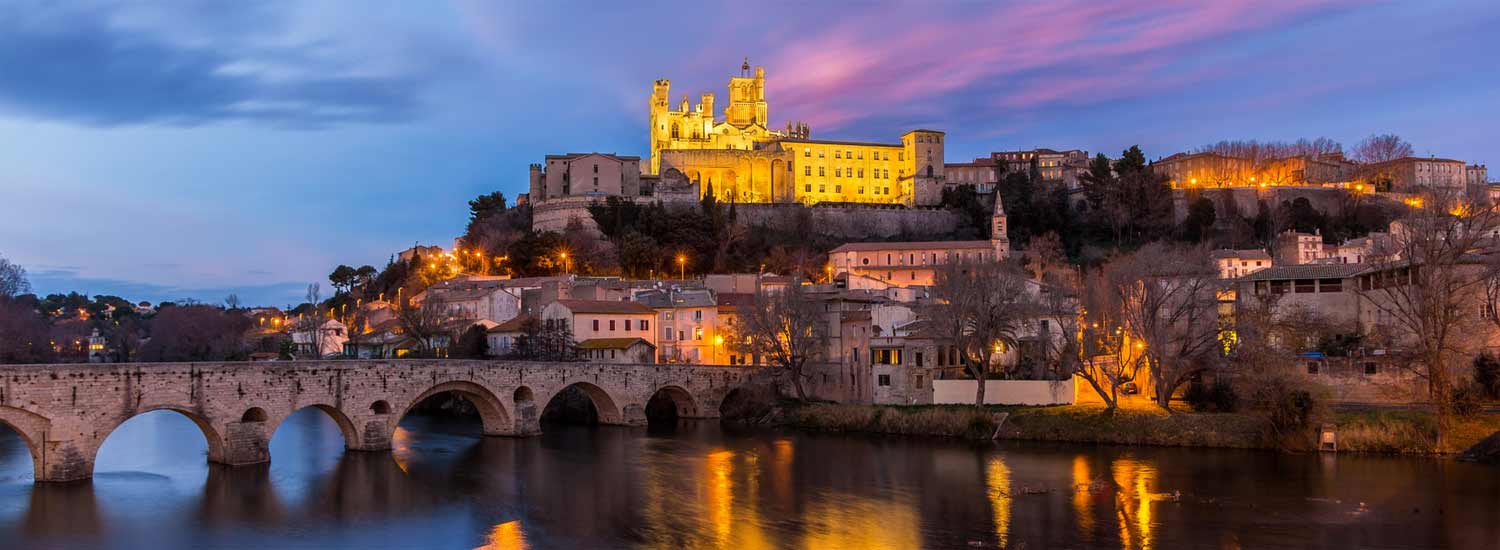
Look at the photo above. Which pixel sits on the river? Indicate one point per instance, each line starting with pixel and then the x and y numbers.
pixel 697 485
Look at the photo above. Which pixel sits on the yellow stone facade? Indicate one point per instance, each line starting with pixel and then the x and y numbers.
pixel 740 158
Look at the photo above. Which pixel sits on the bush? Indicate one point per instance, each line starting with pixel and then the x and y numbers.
pixel 1220 397
pixel 1487 375
pixel 1466 401
pixel 1293 412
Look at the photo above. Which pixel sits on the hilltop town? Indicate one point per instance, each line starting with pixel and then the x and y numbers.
pixel 882 273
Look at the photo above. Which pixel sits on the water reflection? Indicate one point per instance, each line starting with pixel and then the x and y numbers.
pixel 698 486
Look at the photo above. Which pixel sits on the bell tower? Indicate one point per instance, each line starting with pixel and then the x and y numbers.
pixel 747 98
pixel 998 236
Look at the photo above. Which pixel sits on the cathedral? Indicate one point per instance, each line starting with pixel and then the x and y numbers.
pixel 741 158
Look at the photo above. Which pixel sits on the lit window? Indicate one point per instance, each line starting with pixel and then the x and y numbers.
pixel 837 172
pixel 861 155
pixel 861 172
pixel 822 188
pixel 806 152
pixel 820 153
pixel 807 170
pixel 807 188
pixel 838 189
pixel 836 155
pixel 820 171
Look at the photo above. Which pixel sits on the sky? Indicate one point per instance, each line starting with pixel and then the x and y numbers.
pixel 170 150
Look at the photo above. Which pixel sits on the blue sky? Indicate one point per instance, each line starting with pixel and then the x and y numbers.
pixel 170 150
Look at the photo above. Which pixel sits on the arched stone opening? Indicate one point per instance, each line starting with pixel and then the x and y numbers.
pixel 380 407
pixel 669 404
pixel 253 414
pixel 346 426
pixel 582 402
pixel 747 402
pixel 492 415
pixel 12 421
pixel 216 450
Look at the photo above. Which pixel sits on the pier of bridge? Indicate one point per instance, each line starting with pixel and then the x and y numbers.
pixel 65 412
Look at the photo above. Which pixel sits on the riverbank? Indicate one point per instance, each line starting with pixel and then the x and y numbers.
pixel 1139 423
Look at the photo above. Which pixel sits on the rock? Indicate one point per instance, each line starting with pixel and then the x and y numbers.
pixel 1487 450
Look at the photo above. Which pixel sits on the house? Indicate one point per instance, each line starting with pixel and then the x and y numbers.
pixel 1294 248
pixel 1414 174
pixel 617 350
pixel 590 319
pixel 687 325
pixel 1238 263
pixel 328 339
pixel 730 307
pixel 502 338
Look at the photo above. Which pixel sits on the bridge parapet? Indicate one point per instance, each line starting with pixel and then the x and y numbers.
pixel 65 412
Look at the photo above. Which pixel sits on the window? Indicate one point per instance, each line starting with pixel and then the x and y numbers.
pixel 861 189
pixel 611 325
pixel 1304 286
pixel 822 188
pixel 861 155
pixel 821 171
pixel 861 172
pixel 1330 285
pixel 698 315
pixel 627 325
pixel 596 168
pixel 838 189
pixel 807 170
pixel 836 155
pixel 807 188
pixel 806 152
pixel 919 359
pixel 837 172
pixel 885 380
pixel 820 153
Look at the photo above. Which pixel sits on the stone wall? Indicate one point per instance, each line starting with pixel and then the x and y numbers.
pixel 852 223
pixel 1247 199
pixel 65 412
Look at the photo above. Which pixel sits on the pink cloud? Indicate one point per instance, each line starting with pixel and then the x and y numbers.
pixel 893 61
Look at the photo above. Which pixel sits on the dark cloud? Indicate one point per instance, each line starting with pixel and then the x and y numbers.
pixel 79 67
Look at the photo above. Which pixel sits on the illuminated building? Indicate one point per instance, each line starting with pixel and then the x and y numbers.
pixel 884 265
pixel 743 159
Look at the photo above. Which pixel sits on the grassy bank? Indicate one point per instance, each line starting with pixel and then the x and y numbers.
pixel 1140 423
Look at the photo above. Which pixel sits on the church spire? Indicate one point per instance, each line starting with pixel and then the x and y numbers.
pixel 998 236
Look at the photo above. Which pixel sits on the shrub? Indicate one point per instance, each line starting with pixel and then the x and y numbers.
pixel 1219 397
pixel 1466 401
pixel 1487 375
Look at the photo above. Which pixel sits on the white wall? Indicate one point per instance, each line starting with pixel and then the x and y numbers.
pixel 1004 392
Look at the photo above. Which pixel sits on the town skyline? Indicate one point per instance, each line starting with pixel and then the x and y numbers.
pixel 283 166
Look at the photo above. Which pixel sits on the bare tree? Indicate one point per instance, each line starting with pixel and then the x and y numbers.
pixel 980 307
pixel 308 328
pixel 787 328
pixel 1425 298
pixel 1092 345
pixel 232 301
pixel 1381 148
pixel 1166 303
pixel 430 320
pixel 12 279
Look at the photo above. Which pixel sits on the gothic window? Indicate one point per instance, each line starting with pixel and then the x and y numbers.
pixel 676 132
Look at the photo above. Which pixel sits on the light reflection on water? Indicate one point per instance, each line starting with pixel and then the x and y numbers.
pixel 700 486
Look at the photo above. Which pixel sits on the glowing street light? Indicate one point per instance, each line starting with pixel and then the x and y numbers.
pixel 564 255
pixel 682 267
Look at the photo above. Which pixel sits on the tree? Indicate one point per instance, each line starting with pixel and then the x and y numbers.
pixel 196 333
pixel 12 279
pixel 309 323
pixel 472 344
pixel 232 301
pixel 486 205
pixel 429 321
pixel 979 307
pixel 1423 299
pixel 1199 221
pixel 1165 299
pixel 343 279
pixel 1381 148
pixel 24 334
pixel 787 328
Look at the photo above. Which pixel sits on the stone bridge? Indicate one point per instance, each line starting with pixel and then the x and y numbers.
pixel 65 412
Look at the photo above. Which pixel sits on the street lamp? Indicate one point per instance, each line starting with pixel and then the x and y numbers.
pixel 681 267
pixel 565 261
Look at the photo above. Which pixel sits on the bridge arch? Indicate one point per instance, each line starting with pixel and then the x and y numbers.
pixel 491 410
pixel 604 404
pixel 205 425
pixel 29 426
pixel 674 399
pixel 346 426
